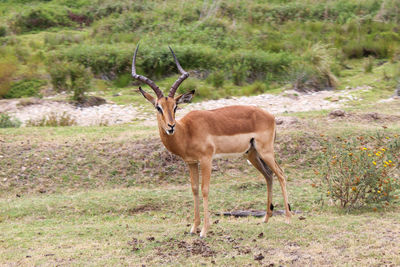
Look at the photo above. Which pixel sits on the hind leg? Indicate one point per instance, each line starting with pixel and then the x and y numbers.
pixel 267 155
pixel 254 159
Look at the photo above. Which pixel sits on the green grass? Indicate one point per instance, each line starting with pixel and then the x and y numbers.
pixel 132 131
pixel 104 198
pixel 98 227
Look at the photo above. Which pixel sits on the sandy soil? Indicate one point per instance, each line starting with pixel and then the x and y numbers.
pixel 109 114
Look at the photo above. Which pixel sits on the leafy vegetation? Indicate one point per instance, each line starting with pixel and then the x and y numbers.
pixel 305 43
pixel 71 76
pixel 362 170
pixel 7 122
pixel 7 70
pixel 25 88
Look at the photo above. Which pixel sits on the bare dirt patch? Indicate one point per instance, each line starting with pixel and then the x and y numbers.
pixel 288 101
pixel 45 167
pixel 86 115
pixel 340 115
pixel 196 247
pixel 144 208
pixel 101 113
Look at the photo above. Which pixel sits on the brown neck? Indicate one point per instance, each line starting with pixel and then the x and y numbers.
pixel 174 143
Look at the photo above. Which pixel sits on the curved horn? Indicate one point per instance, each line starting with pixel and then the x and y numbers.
pixel 144 79
pixel 183 76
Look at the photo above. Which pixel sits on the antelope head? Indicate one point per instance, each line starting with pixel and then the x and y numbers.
pixel 165 105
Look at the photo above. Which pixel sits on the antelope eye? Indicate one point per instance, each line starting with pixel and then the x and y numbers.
pixel 159 109
pixel 175 108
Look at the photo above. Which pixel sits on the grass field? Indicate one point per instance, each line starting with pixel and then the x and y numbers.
pixel 112 195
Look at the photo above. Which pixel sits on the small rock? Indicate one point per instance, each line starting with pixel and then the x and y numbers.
pixel 335 99
pixel 258 257
pixel 261 235
pixel 337 113
pixel 301 218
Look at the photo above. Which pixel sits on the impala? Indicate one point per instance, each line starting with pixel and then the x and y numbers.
pixel 203 134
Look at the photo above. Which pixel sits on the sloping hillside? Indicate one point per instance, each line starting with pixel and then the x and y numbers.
pixel 231 47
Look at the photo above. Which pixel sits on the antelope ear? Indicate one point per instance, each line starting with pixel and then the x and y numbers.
pixel 185 98
pixel 147 96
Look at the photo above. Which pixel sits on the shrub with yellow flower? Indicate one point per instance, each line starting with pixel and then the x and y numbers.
pixel 361 171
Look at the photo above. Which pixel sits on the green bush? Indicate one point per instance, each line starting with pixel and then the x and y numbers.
pixel 70 76
pixel 102 59
pixel 153 62
pixel 217 78
pixel 8 68
pixel 260 63
pixel 203 92
pixel 7 122
pixel 257 87
pixel 41 17
pixel 313 72
pixel 360 171
pixel 80 81
pixel 59 73
pixel 368 64
pixel 188 85
pixel 239 74
pixel 365 48
pixel 3 31
pixel 123 80
pixel 25 88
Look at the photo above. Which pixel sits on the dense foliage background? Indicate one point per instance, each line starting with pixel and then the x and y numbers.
pixel 303 43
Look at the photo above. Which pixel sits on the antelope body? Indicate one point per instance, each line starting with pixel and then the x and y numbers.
pixel 204 134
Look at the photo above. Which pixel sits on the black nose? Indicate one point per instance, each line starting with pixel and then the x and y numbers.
pixel 172 126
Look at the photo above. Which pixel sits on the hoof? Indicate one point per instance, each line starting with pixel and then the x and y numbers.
pixel 193 230
pixel 203 233
pixel 288 219
pixel 267 216
pixel 265 219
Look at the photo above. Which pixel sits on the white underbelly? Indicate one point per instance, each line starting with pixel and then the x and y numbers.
pixel 231 146
pixel 228 155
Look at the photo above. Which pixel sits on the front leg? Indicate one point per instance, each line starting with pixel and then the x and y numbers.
pixel 205 166
pixel 194 179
